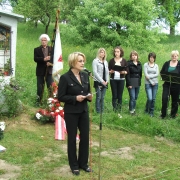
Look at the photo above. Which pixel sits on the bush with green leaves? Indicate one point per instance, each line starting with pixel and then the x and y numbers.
pixel 10 93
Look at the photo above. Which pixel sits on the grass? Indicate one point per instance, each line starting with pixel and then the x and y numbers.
pixel 132 147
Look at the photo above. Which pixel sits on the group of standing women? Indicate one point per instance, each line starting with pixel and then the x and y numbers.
pixel 131 74
pixel 74 91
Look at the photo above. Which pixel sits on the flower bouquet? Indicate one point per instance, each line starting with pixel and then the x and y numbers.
pixel 53 108
pixel 53 113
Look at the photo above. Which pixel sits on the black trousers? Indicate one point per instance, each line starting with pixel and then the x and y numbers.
pixel 173 92
pixel 40 83
pixel 73 122
pixel 117 88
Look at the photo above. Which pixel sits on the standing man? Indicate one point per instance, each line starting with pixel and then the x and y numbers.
pixel 44 60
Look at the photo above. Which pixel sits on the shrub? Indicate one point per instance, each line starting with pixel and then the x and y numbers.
pixel 10 93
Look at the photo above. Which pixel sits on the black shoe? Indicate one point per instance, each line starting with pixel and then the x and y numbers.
pixel 76 172
pixel 87 169
pixel 161 117
pixel 133 114
pixel 172 117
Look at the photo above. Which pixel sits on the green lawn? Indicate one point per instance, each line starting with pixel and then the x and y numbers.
pixel 137 147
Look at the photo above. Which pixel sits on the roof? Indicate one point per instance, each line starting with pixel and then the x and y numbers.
pixel 7 13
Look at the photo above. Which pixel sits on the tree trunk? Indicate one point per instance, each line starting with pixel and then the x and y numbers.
pixel 47 25
pixel 172 29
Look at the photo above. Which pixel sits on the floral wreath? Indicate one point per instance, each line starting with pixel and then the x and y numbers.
pixel 53 109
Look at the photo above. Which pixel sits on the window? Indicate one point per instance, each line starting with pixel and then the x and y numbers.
pixel 5 44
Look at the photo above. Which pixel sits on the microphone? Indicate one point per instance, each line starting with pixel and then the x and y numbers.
pixel 89 72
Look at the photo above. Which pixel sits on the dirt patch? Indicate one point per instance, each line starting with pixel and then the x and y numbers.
pixel 162 139
pixel 24 121
pixel 127 152
pixel 145 148
pixel 123 153
pixel 64 171
pixel 10 171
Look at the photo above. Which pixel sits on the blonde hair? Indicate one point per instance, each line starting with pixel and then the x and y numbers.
pixel 99 51
pixel 175 52
pixel 73 58
pixel 135 53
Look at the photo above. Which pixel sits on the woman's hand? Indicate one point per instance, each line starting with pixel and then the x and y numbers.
pixel 147 78
pixel 111 71
pixel 129 87
pixel 89 97
pixel 123 72
pixel 105 83
pixel 80 98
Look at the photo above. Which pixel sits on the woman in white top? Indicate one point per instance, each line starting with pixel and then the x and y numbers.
pixel 151 72
pixel 117 78
pixel 101 73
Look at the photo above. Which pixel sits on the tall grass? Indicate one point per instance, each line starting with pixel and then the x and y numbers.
pixel 25 72
pixel 125 153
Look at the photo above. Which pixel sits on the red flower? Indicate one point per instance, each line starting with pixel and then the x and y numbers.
pixel 57 104
pixel 52 108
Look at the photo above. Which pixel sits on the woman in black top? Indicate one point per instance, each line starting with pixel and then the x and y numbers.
pixel 133 80
pixel 171 67
pixel 74 91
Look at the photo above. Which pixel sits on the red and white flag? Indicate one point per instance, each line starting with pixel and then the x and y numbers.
pixel 60 128
pixel 57 60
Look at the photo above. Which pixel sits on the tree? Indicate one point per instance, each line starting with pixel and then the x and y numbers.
pixel 169 10
pixel 67 8
pixel 111 23
pixel 38 11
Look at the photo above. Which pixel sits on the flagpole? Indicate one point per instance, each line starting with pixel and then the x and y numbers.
pixel 55 26
pixel 50 53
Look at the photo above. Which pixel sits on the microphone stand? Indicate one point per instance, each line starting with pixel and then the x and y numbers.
pixel 100 123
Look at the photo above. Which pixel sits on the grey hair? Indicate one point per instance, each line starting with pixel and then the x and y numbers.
pixel 44 36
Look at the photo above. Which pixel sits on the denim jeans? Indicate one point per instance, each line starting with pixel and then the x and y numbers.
pixel 151 92
pixel 133 94
pixel 100 93
pixel 117 88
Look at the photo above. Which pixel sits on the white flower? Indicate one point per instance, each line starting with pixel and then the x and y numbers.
pixel 50 105
pixel 2 126
pixel 38 115
pixel 60 108
pixel 50 100
pixel 57 110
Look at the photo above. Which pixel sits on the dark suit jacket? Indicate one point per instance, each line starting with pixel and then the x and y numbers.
pixel 69 87
pixel 41 64
pixel 133 72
